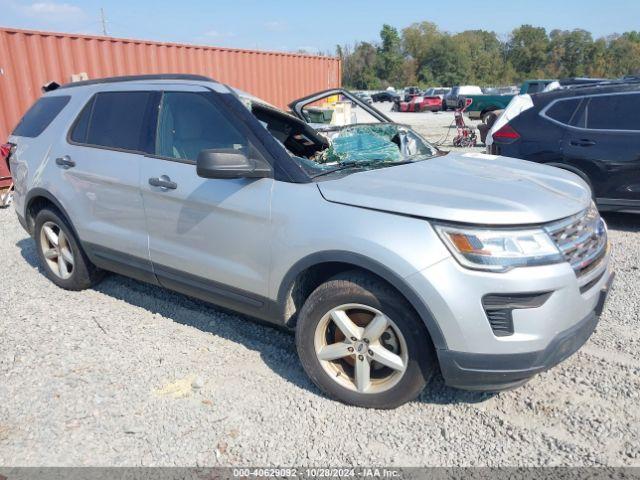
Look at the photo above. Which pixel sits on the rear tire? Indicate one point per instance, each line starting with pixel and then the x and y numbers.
pixel 385 364
pixel 62 258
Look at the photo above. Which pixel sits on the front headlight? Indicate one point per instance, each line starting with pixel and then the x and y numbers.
pixel 499 250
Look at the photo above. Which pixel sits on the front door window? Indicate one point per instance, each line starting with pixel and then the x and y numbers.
pixel 191 122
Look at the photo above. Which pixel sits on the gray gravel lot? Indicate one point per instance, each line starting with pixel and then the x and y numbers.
pixel 437 127
pixel 129 374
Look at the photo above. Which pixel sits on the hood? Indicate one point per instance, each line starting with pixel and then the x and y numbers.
pixel 470 188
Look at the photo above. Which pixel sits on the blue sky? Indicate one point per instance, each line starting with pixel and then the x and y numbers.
pixel 310 25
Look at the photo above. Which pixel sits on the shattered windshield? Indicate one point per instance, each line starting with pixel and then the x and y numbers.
pixel 368 146
pixel 341 146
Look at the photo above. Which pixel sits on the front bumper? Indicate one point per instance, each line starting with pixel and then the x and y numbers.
pixel 492 372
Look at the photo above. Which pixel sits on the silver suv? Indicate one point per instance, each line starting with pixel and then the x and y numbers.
pixel 389 258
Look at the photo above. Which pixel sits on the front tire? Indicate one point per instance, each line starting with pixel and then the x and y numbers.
pixel 361 343
pixel 63 260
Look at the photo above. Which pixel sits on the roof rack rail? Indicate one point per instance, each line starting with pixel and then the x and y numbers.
pixel 604 83
pixel 133 78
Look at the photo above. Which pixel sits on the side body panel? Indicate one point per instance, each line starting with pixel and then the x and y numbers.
pixel 612 161
pixel 306 229
pixel 100 193
pixel 208 238
pixel 213 229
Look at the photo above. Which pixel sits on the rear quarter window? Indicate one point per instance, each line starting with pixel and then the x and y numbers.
pixel 40 116
pixel 81 125
pixel 563 110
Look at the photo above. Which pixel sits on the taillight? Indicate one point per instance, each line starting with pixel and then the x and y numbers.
pixel 5 150
pixel 506 134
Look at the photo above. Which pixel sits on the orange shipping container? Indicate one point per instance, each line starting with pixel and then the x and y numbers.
pixel 29 59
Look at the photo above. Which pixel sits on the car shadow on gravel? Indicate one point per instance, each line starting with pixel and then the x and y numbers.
pixel 626 222
pixel 275 345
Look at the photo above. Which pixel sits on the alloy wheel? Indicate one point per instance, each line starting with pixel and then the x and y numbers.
pixel 56 250
pixel 361 348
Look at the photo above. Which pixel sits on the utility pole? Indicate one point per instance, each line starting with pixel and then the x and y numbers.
pixel 104 22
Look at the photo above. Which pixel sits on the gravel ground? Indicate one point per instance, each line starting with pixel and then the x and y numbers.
pixel 129 374
pixel 437 127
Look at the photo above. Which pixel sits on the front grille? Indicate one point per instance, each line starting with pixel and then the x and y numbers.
pixel 582 239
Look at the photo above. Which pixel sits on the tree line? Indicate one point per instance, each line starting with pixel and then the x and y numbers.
pixel 423 55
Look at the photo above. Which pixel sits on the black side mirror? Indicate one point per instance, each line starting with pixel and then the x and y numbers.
pixel 231 163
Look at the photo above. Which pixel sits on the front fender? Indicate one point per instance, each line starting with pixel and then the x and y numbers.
pixel 373 266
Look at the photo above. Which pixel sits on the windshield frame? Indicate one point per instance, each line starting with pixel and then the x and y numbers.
pixel 295 163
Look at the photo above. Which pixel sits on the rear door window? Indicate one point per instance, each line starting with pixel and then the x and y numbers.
pixel 40 115
pixel 121 121
pixel 613 112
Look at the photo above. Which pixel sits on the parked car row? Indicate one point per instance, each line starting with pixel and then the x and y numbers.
pixel 482 104
pixel 482 101
pixel 365 97
pixel 431 100
pixel 385 96
pixel 418 104
pixel 456 94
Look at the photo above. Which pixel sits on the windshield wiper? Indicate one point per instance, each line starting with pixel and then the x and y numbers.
pixel 369 163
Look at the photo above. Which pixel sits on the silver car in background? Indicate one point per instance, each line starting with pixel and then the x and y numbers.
pixel 389 258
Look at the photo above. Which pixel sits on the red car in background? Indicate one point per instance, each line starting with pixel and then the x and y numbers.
pixel 419 104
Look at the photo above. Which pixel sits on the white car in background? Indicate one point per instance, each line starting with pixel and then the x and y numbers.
pixel 452 99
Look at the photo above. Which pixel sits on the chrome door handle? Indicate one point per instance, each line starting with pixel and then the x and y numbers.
pixel 65 162
pixel 163 182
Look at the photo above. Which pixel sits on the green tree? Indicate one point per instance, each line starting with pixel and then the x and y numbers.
pixel 424 55
pixel 390 60
pixel 624 55
pixel 419 39
pixel 449 64
pixel 409 72
pixel 527 51
pixel 570 53
pixel 598 59
pixel 359 67
pixel 486 53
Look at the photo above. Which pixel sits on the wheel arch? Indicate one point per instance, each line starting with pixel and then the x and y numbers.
pixel 309 272
pixel 39 198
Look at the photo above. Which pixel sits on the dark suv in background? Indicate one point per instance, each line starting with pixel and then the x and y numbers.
pixel 593 131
